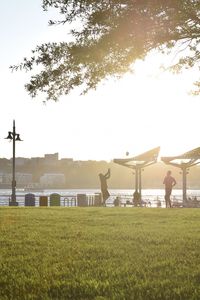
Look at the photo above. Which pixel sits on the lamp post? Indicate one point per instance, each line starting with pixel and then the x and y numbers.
pixel 12 135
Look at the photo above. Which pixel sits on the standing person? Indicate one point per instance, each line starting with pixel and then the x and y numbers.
pixel 104 187
pixel 169 183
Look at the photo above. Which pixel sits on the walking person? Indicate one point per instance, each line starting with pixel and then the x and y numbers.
pixel 169 183
pixel 104 188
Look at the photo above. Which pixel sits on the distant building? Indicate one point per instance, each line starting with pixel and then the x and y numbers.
pixel 21 178
pixel 52 180
pixel 20 161
pixel 6 178
pixel 78 163
pixel 36 161
pixel 66 161
pixel 51 159
pixel 1 177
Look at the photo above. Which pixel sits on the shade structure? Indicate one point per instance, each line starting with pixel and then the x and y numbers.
pixel 184 162
pixel 137 163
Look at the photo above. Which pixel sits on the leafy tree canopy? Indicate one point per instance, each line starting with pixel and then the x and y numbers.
pixel 112 36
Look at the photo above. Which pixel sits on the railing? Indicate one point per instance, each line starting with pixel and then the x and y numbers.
pixel 69 200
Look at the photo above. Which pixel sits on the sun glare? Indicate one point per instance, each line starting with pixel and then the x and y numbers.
pixel 155 111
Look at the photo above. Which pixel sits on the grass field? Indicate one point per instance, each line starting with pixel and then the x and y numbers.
pixel 99 253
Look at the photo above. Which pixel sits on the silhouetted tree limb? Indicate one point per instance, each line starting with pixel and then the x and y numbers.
pixel 112 36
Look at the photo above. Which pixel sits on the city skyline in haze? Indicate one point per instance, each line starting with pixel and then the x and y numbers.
pixel 141 111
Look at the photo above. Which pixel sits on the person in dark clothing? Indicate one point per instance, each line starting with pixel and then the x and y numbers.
pixel 104 188
pixel 169 183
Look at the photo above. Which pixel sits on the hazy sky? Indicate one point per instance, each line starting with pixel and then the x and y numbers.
pixel 140 112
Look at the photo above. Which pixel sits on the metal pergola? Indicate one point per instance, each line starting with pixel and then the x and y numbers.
pixel 137 163
pixel 184 161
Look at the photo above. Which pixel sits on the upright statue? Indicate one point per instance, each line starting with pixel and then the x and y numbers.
pixel 104 188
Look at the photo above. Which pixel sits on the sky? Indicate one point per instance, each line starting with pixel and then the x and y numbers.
pixel 143 110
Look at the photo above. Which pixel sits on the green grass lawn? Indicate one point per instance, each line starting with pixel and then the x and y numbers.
pixel 99 253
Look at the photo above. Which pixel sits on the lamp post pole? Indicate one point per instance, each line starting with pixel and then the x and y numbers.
pixel 12 135
pixel 13 197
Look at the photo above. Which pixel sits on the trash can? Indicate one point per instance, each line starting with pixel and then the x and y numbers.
pixel 43 201
pixel 97 199
pixel 29 199
pixel 82 200
pixel 54 199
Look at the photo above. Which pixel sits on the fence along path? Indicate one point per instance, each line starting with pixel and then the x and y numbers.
pixel 84 200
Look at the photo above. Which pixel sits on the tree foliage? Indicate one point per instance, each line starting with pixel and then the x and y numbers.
pixel 111 35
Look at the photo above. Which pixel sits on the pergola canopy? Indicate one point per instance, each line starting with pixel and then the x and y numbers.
pixel 142 160
pixel 138 163
pixel 187 159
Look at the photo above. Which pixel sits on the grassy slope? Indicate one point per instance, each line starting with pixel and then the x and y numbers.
pixel 99 253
